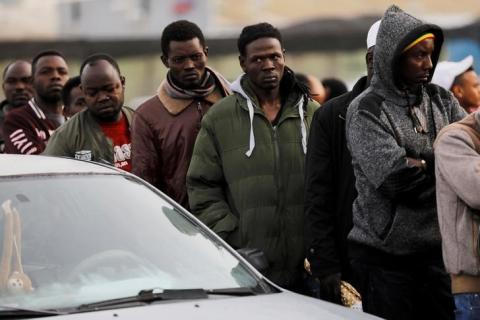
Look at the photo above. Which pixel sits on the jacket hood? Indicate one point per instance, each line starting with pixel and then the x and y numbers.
pixel 397 30
pixel 289 83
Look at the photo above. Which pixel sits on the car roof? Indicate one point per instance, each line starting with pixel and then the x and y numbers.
pixel 15 164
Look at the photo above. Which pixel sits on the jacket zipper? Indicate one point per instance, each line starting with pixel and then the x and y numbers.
pixel 200 113
pixel 279 182
pixel 280 195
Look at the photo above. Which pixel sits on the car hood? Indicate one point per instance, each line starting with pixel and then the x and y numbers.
pixel 278 306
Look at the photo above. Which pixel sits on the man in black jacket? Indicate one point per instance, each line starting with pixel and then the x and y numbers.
pixel 330 188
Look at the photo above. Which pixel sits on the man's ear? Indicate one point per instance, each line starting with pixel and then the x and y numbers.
pixel 457 91
pixel 165 61
pixel 241 59
pixel 205 50
pixel 122 80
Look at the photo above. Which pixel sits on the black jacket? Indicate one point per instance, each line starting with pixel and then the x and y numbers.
pixel 329 187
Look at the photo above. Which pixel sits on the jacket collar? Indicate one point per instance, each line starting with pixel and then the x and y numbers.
pixel 294 107
pixel 127 112
pixel 175 106
pixel 243 87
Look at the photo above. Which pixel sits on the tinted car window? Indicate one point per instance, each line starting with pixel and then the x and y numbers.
pixel 82 239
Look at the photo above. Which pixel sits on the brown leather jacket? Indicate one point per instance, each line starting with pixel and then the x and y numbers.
pixel 163 135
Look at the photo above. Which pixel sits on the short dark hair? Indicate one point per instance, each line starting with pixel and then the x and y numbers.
pixel 92 59
pixel 257 31
pixel 458 79
pixel 335 86
pixel 45 54
pixel 67 90
pixel 181 30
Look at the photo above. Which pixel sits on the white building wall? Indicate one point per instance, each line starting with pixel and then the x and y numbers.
pixel 116 19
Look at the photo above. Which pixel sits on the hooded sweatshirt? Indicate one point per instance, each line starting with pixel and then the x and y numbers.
pixel 394 212
pixel 245 179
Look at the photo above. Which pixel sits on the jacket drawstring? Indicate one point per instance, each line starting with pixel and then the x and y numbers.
pixel 236 87
pixel 251 143
pixel 303 127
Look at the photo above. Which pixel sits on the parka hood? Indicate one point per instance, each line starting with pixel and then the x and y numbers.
pixel 397 30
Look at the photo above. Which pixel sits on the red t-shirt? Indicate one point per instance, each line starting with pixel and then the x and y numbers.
pixel 119 133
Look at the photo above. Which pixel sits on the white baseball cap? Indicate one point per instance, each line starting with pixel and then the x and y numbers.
pixel 447 71
pixel 372 34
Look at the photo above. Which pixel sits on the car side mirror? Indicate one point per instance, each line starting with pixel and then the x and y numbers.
pixel 255 257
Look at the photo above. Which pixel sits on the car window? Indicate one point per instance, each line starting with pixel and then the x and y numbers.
pixel 85 238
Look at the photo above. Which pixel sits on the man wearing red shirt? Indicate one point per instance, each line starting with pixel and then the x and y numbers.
pixel 102 132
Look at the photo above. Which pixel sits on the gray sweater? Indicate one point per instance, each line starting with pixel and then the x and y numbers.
pixel 395 208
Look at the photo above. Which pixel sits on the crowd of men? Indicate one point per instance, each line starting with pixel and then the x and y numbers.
pixel 377 187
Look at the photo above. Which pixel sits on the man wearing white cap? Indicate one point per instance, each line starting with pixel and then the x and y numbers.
pixel 330 188
pixel 460 78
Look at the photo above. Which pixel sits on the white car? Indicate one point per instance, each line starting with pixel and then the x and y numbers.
pixel 81 240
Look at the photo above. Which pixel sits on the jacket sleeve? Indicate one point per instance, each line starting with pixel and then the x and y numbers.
pixel 20 136
pixel 384 162
pixel 458 163
pixel 320 219
pixel 145 157
pixel 206 184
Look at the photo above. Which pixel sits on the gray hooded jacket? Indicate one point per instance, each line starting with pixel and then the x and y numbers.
pixel 395 208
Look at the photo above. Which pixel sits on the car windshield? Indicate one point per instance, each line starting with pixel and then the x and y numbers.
pixel 67 240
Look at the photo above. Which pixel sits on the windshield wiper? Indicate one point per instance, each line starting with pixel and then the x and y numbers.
pixel 151 295
pixel 145 297
pixel 238 292
pixel 8 312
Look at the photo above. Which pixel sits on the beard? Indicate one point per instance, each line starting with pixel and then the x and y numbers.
pixel 50 97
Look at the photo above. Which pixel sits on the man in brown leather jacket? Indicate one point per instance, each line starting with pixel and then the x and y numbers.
pixel 165 126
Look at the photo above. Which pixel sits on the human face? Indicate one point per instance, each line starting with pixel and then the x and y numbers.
pixel 104 90
pixel 17 84
pixel 416 63
pixel 51 73
pixel 186 61
pixel 467 91
pixel 77 102
pixel 264 63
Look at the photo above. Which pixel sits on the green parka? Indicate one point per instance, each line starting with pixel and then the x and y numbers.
pixel 254 201
pixel 82 132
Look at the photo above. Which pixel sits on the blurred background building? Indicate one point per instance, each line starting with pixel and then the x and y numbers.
pixel 324 38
